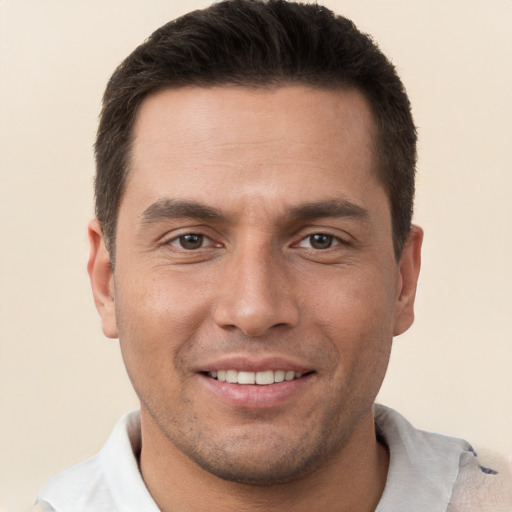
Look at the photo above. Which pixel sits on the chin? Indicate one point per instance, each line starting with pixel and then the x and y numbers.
pixel 248 471
pixel 260 460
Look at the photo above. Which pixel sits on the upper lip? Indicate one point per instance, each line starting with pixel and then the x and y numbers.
pixel 255 364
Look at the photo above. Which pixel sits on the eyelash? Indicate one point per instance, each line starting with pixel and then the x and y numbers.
pixel 178 241
pixel 333 241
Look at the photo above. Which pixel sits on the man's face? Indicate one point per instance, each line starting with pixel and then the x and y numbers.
pixel 254 244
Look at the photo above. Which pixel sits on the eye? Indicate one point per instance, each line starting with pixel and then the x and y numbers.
pixel 191 241
pixel 319 241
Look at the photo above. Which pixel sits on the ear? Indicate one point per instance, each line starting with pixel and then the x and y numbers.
pixel 409 268
pixel 102 279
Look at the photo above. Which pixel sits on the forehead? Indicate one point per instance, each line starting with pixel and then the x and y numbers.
pixel 194 140
pixel 241 114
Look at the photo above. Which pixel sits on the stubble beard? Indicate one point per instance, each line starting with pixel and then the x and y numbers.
pixel 258 456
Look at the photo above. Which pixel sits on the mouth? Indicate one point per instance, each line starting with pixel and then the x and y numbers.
pixel 260 378
pixel 255 386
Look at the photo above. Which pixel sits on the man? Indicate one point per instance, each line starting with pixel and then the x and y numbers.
pixel 253 252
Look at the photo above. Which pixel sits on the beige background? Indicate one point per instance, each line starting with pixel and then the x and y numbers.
pixel 62 385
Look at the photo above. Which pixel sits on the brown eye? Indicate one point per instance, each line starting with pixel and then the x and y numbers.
pixel 321 241
pixel 191 241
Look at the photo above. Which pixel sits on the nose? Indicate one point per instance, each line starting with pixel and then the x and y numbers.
pixel 256 295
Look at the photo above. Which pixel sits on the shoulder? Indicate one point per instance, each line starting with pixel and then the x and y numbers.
pixel 484 484
pixel 82 485
pixel 444 472
pixel 107 482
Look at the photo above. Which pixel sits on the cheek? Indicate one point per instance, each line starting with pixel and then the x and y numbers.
pixel 159 300
pixel 357 314
pixel 360 301
pixel 155 319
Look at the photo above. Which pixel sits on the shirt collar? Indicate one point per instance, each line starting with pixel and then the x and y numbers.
pixel 119 461
pixel 423 466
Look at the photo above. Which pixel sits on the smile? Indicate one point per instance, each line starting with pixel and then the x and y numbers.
pixel 263 378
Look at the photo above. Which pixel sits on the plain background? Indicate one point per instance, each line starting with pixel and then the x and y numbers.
pixel 62 385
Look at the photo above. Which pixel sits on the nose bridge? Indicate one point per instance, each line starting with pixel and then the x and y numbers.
pixel 256 295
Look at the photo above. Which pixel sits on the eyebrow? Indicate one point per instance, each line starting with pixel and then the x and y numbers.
pixel 166 208
pixel 333 208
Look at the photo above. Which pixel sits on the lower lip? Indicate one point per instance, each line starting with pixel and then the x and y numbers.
pixel 249 396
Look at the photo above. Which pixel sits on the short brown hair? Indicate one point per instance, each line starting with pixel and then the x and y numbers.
pixel 258 43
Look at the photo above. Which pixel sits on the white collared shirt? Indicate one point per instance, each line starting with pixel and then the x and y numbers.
pixel 427 473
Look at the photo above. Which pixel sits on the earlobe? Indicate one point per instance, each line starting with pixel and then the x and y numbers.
pixel 409 267
pixel 102 279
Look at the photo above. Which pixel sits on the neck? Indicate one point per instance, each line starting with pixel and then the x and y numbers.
pixel 353 480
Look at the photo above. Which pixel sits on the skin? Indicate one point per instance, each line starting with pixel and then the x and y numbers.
pixel 267 169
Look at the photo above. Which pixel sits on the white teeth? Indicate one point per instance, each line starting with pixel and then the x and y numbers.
pixel 279 375
pixel 232 376
pixel 261 378
pixel 289 375
pixel 246 378
pixel 265 378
